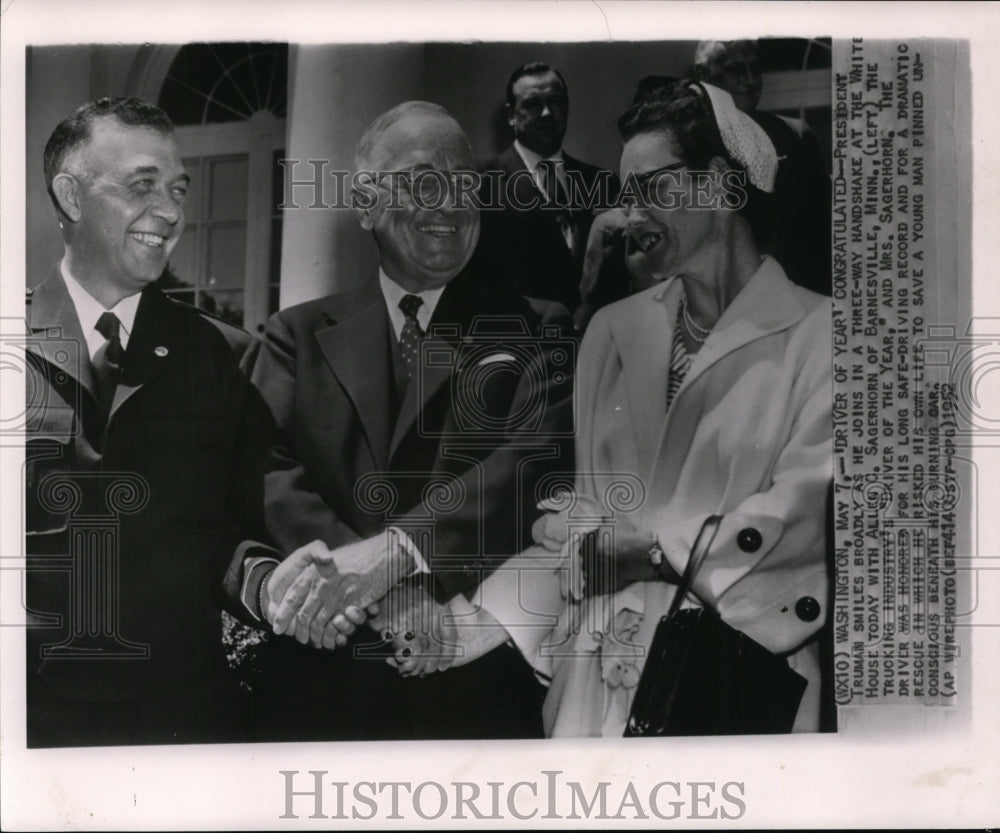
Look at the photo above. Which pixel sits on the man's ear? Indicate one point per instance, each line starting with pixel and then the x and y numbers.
pixel 509 112
pixel 66 188
pixel 364 216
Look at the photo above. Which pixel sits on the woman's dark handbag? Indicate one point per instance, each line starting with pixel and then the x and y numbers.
pixel 703 677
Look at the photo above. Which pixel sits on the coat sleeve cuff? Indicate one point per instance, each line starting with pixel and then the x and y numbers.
pixel 256 569
pixel 524 597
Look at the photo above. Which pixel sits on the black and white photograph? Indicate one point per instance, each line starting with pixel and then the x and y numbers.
pixel 419 420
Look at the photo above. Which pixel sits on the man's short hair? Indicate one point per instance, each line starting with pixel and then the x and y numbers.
pixel 76 129
pixel 534 68
pixel 710 50
pixel 366 145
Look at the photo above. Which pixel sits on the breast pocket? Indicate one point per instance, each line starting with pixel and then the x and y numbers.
pixel 483 395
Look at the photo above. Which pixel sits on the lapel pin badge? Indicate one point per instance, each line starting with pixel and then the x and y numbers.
pixel 161 351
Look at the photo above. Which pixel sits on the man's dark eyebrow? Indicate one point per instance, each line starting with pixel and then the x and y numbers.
pixel 153 169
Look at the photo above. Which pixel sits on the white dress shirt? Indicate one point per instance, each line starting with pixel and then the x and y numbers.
pixel 531 160
pixel 89 309
pixel 394 293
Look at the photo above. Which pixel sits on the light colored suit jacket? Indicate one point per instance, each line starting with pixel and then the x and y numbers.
pixel 748 437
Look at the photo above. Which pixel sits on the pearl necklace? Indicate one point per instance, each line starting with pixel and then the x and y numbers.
pixel 690 325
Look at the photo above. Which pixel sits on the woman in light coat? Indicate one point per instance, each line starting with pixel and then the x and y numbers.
pixel 709 393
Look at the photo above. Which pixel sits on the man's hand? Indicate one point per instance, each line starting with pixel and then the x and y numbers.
pixel 421 631
pixel 325 598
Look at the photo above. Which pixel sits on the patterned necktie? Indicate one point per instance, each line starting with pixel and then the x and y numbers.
pixel 555 196
pixel 108 359
pixel 409 338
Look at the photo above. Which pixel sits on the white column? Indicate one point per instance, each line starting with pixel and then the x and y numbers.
pixel 335 92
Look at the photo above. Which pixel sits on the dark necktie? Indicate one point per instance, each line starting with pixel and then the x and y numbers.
pixel 555 197
pixel 108 359
pixel 409 338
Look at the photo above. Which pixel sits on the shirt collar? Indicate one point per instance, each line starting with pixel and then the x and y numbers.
pixel 531 159
pixel 393 294
pixel 89 309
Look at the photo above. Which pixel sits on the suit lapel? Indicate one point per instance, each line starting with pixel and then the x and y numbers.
pixel 589 177
pixel 767 305
pixel 645 340
pixel 356 348
pixel 59 340
pixel 160 336
pixel 512 164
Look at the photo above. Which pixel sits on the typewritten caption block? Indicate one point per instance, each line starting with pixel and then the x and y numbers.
pixel 896 483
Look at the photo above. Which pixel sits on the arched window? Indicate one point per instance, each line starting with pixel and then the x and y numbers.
pixel 229 103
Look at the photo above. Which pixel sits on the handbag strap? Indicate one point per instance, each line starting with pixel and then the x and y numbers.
pixel 700 548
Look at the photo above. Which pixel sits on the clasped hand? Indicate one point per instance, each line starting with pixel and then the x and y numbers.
pixel 320 596
pixel 605 557
pixel 422 631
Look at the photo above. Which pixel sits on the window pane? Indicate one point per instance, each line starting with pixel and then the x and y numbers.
pixel 181 271
pixel 192 203
pixel 226 257
pixel 224 82
pixel 229 189
pixel 226 305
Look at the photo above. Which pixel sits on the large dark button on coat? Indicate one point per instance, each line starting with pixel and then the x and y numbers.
pixel 749 540
pixel 807 608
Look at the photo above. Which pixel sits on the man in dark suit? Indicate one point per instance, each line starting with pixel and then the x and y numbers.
pixel 145 447
pixel 548 198
pixel 799 223
pixel 416 419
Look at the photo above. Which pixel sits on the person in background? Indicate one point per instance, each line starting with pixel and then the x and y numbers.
pixel 800 225
pixel 535 244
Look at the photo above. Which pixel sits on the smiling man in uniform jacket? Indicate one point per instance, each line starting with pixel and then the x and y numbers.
pixel 145 446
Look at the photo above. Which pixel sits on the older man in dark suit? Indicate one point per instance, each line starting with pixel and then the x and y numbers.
pixel 548 198
pixel 145 452
pixel 417 418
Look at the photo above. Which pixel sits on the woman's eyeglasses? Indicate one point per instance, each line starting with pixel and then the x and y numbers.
pixel 647 184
